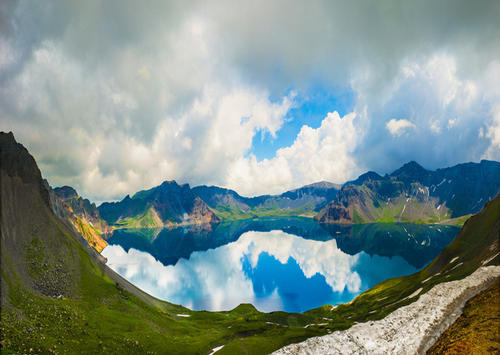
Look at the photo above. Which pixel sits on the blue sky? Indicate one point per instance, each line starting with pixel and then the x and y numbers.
pixel 310 109
pixel 112 97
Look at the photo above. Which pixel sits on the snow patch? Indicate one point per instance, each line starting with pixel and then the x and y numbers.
pixel 411 329
pixel 214 350
pixel 489 259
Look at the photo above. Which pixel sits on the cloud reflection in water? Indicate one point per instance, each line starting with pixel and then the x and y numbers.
pixel 272 270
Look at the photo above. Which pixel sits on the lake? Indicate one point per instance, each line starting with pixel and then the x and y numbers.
pixel 291 264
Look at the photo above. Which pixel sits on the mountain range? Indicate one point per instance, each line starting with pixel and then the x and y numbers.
pixel 409 194
pixel 58 296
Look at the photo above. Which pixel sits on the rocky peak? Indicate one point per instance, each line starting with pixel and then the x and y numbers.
pixel 411 168
pixel 65 192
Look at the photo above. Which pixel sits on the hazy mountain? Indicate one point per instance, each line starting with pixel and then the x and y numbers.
pixel 165 205
pixel 414 194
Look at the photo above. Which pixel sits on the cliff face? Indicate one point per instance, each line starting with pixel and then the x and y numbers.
pixel 414 194
pixel 81 214
pixel 165 205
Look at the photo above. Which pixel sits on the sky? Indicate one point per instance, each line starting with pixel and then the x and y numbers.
pixel 112 97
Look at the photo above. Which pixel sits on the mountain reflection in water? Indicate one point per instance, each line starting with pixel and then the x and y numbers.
pixel 291 264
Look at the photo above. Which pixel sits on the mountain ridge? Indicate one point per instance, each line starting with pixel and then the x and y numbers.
pixel 410 193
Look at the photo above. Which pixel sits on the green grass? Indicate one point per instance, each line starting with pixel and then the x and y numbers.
pixel 226 213
pixel 146 220
pixel 99 316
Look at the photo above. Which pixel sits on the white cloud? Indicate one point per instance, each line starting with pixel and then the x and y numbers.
pixel 431 95
pixel 399 126
pixel 324 153
pixel 452 122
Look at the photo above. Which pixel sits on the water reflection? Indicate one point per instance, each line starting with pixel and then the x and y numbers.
pixel 289 264
pixel 416 243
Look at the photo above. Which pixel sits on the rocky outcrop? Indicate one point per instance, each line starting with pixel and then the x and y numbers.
pixel 201 213
pixel 333 213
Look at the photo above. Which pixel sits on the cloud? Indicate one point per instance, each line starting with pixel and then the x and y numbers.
pixel 398 127
pixel 216 279
pixel 178 90
pixel 443 112
pixel 324 153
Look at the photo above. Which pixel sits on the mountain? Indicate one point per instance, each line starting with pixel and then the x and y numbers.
pixel 229 205
pixel 168 204
pixel 58 296
pixel 81 214
pixel 414 194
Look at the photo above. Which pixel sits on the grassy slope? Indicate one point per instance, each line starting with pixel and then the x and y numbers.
pixel 230 214
pixel 99 315
pixel 477 330
pixel 148 219
pixel 399 210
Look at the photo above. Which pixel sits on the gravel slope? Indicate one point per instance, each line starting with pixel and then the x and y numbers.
pixel 411 329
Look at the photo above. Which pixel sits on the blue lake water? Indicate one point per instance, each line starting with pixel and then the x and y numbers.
pixel 290 264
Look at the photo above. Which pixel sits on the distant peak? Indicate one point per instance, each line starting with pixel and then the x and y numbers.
pixel 169 182
pixel 411 167
pixel 370 175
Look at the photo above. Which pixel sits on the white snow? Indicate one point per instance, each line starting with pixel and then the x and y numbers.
pixel 183 315
pixel 489 259
pixel 411 329
pixel 214 350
